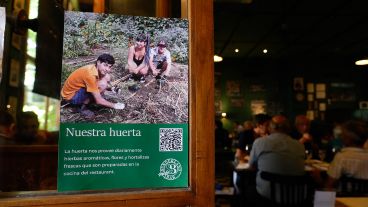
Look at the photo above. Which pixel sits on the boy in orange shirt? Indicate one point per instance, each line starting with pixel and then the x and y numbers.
pixel 87 83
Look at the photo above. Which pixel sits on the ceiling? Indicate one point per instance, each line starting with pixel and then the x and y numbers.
pixel 291 29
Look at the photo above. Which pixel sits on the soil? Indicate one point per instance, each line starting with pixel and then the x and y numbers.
pixel 151 103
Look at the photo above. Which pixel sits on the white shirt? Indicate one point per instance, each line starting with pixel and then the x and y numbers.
pixel 351 161
pixel 160 58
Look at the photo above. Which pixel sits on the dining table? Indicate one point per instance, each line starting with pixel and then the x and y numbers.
pixel 351 201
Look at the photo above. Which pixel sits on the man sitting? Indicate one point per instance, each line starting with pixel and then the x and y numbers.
pixel 276 153
pixel 87 83
pixel 352 160
pixel 7 127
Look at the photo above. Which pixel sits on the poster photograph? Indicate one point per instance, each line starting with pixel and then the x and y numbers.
pixel 124 108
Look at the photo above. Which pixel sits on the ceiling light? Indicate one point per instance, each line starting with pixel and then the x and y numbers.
pixel 217 58
pixel 236 50
pixel 265 51
pixel 362 62
pixel 223 114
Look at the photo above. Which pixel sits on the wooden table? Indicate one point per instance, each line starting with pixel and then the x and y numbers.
pixel 351 202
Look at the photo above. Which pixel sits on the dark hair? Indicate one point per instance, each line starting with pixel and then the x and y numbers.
pixel 6 119
pixel 261 119
pixel 358 130
pixel 141 37
pixel 145 38
pixel 161 42
pixel 106 58
pixel 26 115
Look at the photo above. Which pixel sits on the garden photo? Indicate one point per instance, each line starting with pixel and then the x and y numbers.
pixel 124 69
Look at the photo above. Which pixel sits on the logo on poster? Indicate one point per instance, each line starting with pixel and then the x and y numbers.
pixel 170 169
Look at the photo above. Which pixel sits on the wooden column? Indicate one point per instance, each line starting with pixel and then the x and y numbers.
pixel 99 6
pixel 184 9
pixel 163 8
pixel 201 52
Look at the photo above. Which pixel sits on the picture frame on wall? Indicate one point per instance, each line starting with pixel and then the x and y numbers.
pixel 258 106
pixel 298 84
pixel 233 88
pixel 310 87
pixel 237 102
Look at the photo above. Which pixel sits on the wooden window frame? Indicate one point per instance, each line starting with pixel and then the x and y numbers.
pixel 201 130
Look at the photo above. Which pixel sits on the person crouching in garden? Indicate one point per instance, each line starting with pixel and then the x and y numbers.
pixel 87 83
pixel 138 58
pixel 160 60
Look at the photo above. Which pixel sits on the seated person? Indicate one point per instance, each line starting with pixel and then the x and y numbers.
pixel 276 153
pixel 245 142
pixel 88 83
pixel 352 160
pixel 7 128
pixel 301 132
pixel 247 137
pixel 27 129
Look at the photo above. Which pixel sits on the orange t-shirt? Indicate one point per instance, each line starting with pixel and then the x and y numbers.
pixel 84 77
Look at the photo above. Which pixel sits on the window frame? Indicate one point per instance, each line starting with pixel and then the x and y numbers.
pixel 201 152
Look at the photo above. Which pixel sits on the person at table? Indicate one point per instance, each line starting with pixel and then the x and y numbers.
pixel 276 153
pixel 352 160
pixel 301 132
pixel 247 137
pixel 7 128
pixel 27 129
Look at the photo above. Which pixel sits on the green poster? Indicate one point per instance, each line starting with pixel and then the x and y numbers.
pixel 124 109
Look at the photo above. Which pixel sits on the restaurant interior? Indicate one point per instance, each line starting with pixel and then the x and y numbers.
pixel 280 57
pixel 286 57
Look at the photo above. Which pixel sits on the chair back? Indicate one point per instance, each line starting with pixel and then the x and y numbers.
pixel 288 190
pixel 351 187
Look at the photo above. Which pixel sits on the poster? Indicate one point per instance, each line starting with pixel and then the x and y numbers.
pixel 2 32
pixel 143 143
pixel 258 107
pixel 233 88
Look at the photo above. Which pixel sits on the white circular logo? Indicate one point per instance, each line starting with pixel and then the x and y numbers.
pixel 170 169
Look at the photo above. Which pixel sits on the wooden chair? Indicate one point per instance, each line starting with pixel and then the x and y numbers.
pixel 350 187
pixel 287 190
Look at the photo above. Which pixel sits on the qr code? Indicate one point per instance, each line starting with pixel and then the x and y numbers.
pixel 171 139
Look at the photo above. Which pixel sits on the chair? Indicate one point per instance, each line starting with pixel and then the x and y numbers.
pixel 351 187
pixel 288 190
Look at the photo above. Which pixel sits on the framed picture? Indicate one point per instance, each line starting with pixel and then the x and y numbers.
pixel 258 106
pixel 320 94
pixel 233 88
pixel 320 87
pixel 310 87
pixel 322 106
pixel 298 84
pixel 310 97
pixel 237 102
